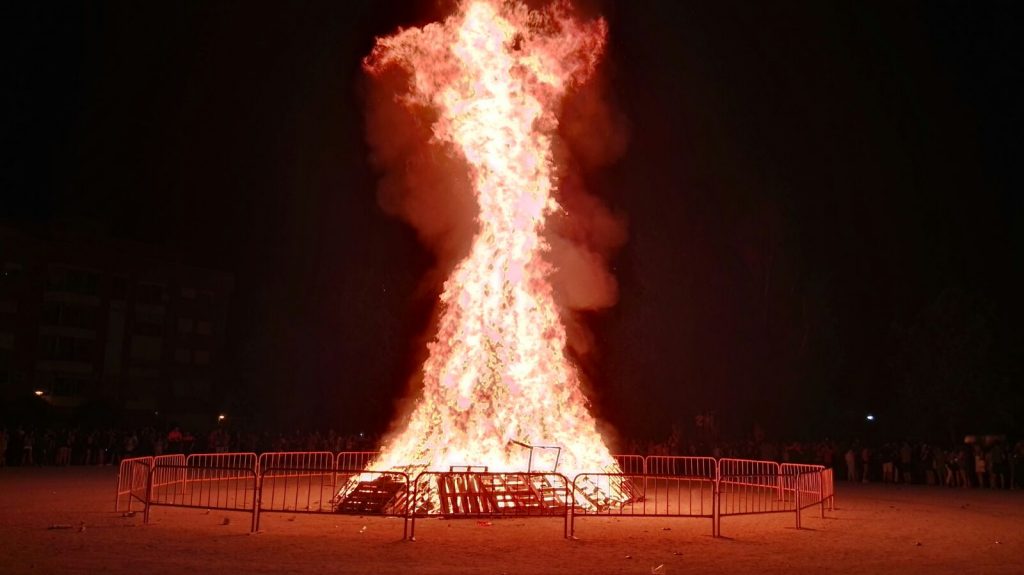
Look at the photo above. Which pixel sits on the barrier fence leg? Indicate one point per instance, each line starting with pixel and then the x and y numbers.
pixel 568 510
pixel 405 515
pixel 572 512
pixel 411 510
pixel 716 511
pixel 796 497
pixel 821 492
pixel 832 491
pixel 257 502
pixel 149 495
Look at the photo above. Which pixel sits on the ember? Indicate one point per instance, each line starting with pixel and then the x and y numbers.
pixel 498 385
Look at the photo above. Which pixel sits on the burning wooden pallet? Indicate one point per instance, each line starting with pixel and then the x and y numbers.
pixel 499 494
pixel 382 496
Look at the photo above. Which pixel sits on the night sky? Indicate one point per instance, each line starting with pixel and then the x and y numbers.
pixel 823 200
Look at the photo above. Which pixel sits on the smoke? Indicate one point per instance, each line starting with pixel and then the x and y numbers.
pixel 426 184
pixel 592 135
pixel 422 182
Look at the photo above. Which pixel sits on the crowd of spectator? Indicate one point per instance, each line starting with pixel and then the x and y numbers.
pixel 985 462
pixel 77 446
pixel 977 462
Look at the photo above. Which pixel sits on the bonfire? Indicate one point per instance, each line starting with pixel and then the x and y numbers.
pixel 499 392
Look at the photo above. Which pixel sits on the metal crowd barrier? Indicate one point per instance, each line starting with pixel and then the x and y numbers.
pixel 132 479
pixel 312 462
pixel 750 471
pixel 659 496
pixel 482 494
pixel 166 476
pixel 683 466
pixel 809 491
pixel 791 470
pixel 355 459
pixel 749 495
pixel 322 482
pixel 223 488
pixel 828 482
pixel 229 466
pixel 631 464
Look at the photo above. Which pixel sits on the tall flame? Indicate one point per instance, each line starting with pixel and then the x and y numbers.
pixel 497 376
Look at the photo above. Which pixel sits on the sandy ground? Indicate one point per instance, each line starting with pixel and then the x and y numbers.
pixel 875 529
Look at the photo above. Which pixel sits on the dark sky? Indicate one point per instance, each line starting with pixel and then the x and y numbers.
pixel 810 188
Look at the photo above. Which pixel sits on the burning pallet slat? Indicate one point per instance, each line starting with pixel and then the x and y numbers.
pixel 381 496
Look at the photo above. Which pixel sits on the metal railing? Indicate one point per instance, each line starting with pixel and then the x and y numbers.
pixel 631 464
pixel 679 466
pixel 658 496
pixel 223 488
pixel 355 459
pixel 132 480
pixel 225 463
pixel 749 495
pixel 324 482
pixel 318 491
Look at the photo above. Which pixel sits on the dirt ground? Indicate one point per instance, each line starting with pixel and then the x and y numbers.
pixel 875 529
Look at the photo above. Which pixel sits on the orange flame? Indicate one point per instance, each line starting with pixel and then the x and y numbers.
pixel 497 376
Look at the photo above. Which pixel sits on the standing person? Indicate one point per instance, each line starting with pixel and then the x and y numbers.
pixel 927 465
pixel 965 463
pixel 979 465
pixel 174 440
pixel 89 448
pixel 889 464
pixel 939 466
pixel 997 466
pixel 906 463
pixel 26 449
pixel 865 464
pixel 952 468
pixel 187 442
pixel 63 448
